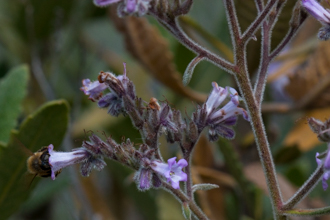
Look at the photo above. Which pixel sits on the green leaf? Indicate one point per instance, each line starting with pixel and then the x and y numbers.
pixel 46 126
pixel 13 90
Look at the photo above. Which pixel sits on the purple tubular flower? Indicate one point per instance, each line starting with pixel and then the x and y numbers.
pixel 130 6
pixel 219 120
pixel 217 96
pixel 88 160
pixel 172 171
pixel 143 178
pixel 317 11
pixel 59 160
pixel 93 89
pixel 326 166
pixel 127 7
pixel 121 89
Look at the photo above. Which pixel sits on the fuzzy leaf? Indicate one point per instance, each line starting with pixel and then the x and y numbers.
pixel 13 90
pixel 204 186
pixel 148 46
pixel 46 126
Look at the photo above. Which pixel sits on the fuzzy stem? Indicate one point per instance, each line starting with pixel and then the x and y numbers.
pixel 267 55
pixel 305 189
pixel 258 21
pixel 188 184
pixel 222 47
pixel 308 212
pixel 233 23
pixel 172 25
pixel 262 143
pixel 183 198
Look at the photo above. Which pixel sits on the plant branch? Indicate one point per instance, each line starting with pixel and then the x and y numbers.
pixel 258 21
pixel 308 212
pixel 268 56
pixel 173 27
pixel 305 189
pixel 262 142
pixel 292 31
pixel 223 48
pixel 233 23
pixel 183 198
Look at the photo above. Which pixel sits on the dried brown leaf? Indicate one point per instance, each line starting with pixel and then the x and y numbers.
pixel 310 82
pixel 148 46
pixel 212 201
pixel 301 135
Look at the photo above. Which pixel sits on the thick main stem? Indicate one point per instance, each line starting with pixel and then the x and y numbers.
pixel 261 141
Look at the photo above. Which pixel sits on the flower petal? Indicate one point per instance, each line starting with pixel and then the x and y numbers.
pixel 318 161
pixel 103 3
pixel 324 180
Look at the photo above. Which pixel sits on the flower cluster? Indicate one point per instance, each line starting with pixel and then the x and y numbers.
pixel 120 88
pixel 321 14
pixel 92 152
pixel 219 120
pixel 127 7
pixel 154 119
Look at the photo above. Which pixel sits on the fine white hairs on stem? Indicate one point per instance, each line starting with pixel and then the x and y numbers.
pixel 190 69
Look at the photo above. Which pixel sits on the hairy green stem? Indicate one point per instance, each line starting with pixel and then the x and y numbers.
pixel 183 198
pixel 308 212
pixel 305 189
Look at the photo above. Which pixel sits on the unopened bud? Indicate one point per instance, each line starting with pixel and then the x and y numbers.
pixel 322 129
pixel 186 211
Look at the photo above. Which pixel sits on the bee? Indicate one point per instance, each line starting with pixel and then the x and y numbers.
pixel 38 163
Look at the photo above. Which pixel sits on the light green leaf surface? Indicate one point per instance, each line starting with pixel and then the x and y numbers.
pixel 13 90
pixel 46 126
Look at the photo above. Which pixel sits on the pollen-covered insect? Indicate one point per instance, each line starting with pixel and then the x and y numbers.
pixel 38 163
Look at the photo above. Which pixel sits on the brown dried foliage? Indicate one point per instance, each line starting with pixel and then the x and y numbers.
pixel 148 46
pixel 312 78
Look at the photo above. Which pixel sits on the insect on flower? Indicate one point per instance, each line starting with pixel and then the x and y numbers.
pixel 38 163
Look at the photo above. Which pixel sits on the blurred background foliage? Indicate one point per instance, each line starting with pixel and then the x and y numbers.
pixel 61 42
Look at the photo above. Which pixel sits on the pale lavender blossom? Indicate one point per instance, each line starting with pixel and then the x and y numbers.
pixel 219 120
pixel 172 171
pixel 127 7
pixel 93 89
pixel 321 14
pixel 317 11
pixel 326 167
pixel 59 160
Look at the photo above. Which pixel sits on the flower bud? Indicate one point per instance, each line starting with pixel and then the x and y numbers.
pixel 322 129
